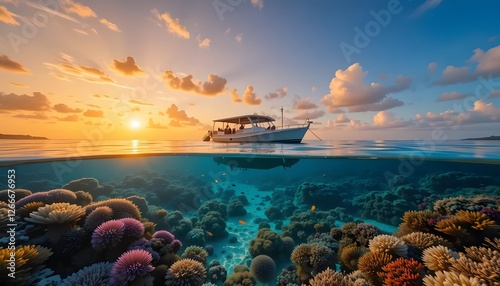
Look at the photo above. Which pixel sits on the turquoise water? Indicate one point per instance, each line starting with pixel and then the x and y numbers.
pixel 302 191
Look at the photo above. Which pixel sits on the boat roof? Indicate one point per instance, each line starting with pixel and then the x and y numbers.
pixel 245 119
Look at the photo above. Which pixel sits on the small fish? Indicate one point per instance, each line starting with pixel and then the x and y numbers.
pixel 234 185
pixel 217 181
pixel 243 222
pixel 313 207
pixel 209 233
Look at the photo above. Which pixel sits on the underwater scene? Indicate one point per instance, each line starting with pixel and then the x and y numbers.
pixel 250 219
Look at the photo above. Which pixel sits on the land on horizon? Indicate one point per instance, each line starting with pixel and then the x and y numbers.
pixel 492 137
pixel 17 136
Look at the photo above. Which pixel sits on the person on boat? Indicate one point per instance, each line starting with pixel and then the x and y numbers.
pixel 242 126
pixel 227 130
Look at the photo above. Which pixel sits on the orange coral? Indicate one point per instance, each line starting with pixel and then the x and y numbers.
pixel 402 271
pixel 350 255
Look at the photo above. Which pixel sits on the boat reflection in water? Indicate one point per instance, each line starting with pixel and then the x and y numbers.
pixel 256 162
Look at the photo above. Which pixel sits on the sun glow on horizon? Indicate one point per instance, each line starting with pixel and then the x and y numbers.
pixel 135 124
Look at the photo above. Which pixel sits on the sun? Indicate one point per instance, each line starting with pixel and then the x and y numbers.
pixel 135 124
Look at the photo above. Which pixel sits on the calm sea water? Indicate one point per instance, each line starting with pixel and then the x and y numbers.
pixel 340 181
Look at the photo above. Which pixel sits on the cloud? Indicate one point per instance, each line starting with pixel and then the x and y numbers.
pixel 234 96
pixel 127 67
pixel 137 101
pixel 63 108
pixel 249 97
pixel 35 115
pixel 426 6
pixel 152 124
pixel 8 17
pixel 213 86
pixel 93 113
pixel 51 11
pixel 313 89
pixel 385 119
pixel 481 112
pixel 111 26
pixel 70 118
pixel 258 3
pixel 303 103
pixel 79 9
pixel 205 43
pixel 173 25
pixel 37 102
pixel 342 118
pixel 9 64
pixel 432 67
pixel 16 84
pixel 279 93
pixel 347 89
pixel 179 117
pixel 488 65
pixel 305 114
pixel 447 96
pixel 101 96
pixel 239 38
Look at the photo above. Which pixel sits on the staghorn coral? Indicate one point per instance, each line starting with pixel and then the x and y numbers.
pixel 495 243
pixel 185 272
pixel 197 253
pixel 388 244
pixel 121 208
pixel 444 278
pixel 263 268
pixel 131 265
pixel 350 255
pixel 439 258
pixel 371 264
pixel 56 213
pixel 424 240
pixel 95 274
pixel 402 272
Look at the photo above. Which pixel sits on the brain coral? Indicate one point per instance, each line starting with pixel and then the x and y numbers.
pixel 109 233
pixel 131 265
pixel 185 272
pixel 388 244
pixel 263 268
pixel 95 274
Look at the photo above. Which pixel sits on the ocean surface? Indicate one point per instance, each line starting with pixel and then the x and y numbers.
pixel 233 204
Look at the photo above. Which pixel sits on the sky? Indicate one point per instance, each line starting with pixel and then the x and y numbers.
pixel 163 70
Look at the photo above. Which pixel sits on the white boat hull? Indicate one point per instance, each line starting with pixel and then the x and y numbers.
pixel 290 135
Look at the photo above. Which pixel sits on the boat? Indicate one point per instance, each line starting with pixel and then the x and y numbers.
pixel 255 129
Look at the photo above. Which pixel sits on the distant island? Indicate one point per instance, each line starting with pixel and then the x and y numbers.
pixel 484 138
pixel 28 137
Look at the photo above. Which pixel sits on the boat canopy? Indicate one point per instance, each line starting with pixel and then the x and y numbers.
pixel 246 119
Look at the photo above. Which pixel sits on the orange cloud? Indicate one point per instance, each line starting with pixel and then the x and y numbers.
pixel 63 108
pixel 386 119
pixel 303 103
pixel 93 113
pixel 37 102
pixel 127 67
pixel 9 64
pixel 305 114
pixel 79 9
pixel 136 101
pixel 35 115
pixel 179 117
pixel 205 43
pixel 18 84
pixel 249 97
pixel 348 89
pixel 111 26
pixel 213 86
pixel 152 124
pixel 279 93
pixel 70 118
pixel 234 96
pixel 173 25
pixel 8 17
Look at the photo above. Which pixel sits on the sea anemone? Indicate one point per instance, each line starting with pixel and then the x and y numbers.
pixel 439 258
pixel 165 236
pixel 450 278
pixel 350 255
pixel 424 240
pixel 388 244
pixel 95 274
pixel 263 268
pixel 403 272
pixel 197 253
pixel 56 213
pixel 97 217
pixel 131 265
pixel 109 233
pixel 133 227
pixel 185 272
pixel 371 264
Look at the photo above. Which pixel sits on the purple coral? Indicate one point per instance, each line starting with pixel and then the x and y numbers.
pixel 130 265
pixel 491 213
pixel 109 233
pixel 176 245
pixel 133 227
pixel 165 236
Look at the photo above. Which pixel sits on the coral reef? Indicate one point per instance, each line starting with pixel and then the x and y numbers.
pixel 131 266
pixel 95 274
pixel 185 272
pixel 263 268
pixel 311 259
pixel 402 272
pixel 271 244
pixel 196 253
pixel 216 273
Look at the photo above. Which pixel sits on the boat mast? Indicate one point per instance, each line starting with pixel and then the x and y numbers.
pixel 282 117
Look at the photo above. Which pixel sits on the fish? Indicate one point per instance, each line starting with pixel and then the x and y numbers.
pixel 209 233
pixel 242 222
pixel 216 181
pixel 234 185
pixel 313 207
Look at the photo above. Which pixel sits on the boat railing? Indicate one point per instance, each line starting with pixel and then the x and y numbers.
pixel 305 124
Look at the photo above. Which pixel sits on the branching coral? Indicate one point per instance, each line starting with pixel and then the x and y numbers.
pixel 402 271
pixel 185 272
pixel 450 278
pixel 424 240
pixel 388 244
pixel 439 258
pixel 328 277
pixel 480 262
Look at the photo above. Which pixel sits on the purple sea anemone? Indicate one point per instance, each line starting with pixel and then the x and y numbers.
pixel 109 233
pixel 133 227
pixel 165 236
pixel 130 265
pixel 176 245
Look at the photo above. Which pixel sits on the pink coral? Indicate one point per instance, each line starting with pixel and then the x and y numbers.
pixel 130 265
pixel 109 233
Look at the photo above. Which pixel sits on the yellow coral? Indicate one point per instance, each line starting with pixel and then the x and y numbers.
pixel 451 278
pixel 424 240
pixel 57 213
pixel 416 221
pixel 439 258
pixel 350 255
pixel 476 220
pixel 25 210
pixel 452 227
pixel 388 244
pixel 480 262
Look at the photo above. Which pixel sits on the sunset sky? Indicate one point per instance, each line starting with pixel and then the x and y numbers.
pixel 163 70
